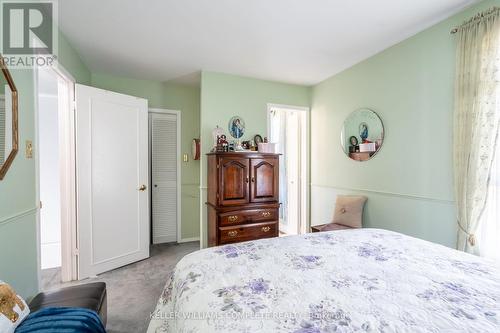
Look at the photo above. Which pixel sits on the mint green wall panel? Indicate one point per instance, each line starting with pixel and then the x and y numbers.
pixel 71 61
pixel 224 96
pixel 18 246
pixel 411 87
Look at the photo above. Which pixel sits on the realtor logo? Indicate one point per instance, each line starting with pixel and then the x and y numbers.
pixel 29 32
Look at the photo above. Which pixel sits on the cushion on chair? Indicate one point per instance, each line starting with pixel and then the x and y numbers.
pixel 90 296
pixel 349 210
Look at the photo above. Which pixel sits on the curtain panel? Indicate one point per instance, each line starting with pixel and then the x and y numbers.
pixel 476 119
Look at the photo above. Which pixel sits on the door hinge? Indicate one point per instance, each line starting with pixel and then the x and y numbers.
pixel 218 165
pixel 41 205
pixel 76 252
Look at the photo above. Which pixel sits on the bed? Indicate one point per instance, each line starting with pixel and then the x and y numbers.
pixel 364 280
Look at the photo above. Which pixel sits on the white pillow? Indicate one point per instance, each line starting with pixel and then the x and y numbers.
pixel 13 309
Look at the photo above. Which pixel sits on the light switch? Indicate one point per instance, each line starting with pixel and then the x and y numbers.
pixel 29 149
pixel 185 157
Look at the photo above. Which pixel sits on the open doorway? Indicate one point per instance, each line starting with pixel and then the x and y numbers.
pixel 288 127
pixel 55 175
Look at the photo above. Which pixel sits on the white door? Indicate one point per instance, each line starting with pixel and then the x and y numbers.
pixel 165 175
pixel 112 178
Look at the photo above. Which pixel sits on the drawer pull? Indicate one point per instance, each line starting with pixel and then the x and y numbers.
pixel 232 218
pixel 266 229
pixel 232 233
pixel 266 214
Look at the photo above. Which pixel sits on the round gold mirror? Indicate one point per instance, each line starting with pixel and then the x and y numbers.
pixel 9 136
pixel 362 135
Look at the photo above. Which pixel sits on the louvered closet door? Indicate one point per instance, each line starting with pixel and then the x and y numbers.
pixel 164 175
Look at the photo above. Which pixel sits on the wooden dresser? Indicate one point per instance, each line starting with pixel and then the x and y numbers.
pixel 242 197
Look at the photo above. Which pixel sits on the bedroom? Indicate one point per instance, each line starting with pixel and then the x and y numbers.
pixel 212 61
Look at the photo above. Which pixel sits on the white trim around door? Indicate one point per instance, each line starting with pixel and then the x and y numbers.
pixel 66 93
pixel 177 113
pixel 305 211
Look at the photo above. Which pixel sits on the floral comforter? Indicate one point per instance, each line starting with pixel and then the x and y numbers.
pixel 366 280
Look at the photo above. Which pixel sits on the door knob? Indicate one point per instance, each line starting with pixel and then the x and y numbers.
pixel 142 188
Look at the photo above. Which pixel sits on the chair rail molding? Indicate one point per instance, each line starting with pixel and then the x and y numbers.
pixel 391 194
pixel 18 216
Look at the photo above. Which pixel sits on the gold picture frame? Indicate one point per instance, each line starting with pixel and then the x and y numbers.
pixel 15 129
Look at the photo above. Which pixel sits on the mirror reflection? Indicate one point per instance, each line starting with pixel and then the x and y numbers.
pixel 5 120
pixel 362 135
pixel 8 120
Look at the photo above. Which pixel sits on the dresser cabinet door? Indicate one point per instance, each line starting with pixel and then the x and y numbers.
pixel 234 180
pixel 264 179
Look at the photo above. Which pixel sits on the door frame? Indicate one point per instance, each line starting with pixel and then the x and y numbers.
pixel 305 209
pixel 177 113
pixel 67 153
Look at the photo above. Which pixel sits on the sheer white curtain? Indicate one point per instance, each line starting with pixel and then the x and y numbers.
pixel 476 121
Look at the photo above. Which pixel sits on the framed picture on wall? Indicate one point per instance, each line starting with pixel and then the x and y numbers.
pixel 236 127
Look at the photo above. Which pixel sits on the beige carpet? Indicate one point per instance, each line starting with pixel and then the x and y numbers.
pixel 133 290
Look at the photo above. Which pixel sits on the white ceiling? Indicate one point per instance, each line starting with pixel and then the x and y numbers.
pixel 295 41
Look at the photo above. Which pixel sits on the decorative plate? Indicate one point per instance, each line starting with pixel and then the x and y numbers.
pixel 236 127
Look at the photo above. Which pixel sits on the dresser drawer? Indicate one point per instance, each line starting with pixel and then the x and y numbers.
pixel 248 216
pixel 247 232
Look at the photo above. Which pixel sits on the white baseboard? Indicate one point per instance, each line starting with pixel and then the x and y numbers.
pixel 192 239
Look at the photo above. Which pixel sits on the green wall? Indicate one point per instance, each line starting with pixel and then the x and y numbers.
pixel 71 61
pixel 172 96
pixel 224 96
pixel 150 90
pixel 409 182
pixel 18 242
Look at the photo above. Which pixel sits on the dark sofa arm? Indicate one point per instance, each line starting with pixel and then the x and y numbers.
pixel 91 296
